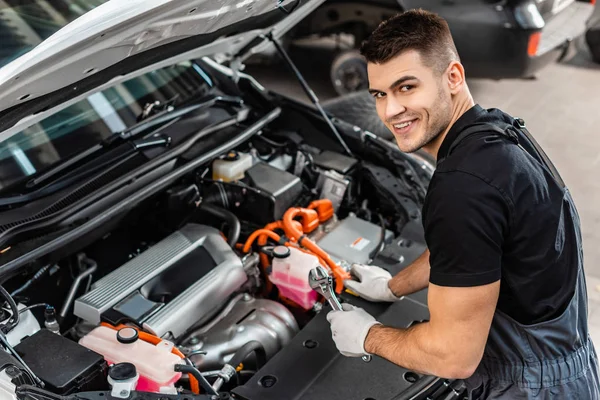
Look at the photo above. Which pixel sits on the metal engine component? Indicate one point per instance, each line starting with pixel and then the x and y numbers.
pixel 333 187
pixel 177 283
pixel 244 319
pixel 352 240
pixel 7 388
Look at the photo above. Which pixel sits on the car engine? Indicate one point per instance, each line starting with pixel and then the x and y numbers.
pixel 202 287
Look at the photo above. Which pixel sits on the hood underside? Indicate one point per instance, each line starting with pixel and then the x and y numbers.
pixel 122 39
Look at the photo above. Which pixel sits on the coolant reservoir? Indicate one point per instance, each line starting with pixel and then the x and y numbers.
pixel 154 363
pixel 232 166
pixel 289 273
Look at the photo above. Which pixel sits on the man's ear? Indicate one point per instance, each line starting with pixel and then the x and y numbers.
pixel 456 77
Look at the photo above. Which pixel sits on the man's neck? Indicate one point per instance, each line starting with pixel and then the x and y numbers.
pixel 461 106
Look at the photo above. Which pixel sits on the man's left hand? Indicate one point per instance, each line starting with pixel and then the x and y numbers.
pixel 350 328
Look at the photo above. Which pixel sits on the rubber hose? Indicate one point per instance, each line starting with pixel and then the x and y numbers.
pixel 246 350
pixel 13 307
pixel 35 277
pixel 189 369
pixel 216 198
pixel 375 252
pixel 233 222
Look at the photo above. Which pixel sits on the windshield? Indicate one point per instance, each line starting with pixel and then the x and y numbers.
pixel 90 121
pixel 26 23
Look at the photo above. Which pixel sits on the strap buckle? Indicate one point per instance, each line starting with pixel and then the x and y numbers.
pixel 520 122
pixel 512 134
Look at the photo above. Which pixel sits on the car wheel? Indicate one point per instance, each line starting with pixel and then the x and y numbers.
pixel 359 109
pixel 592 37
pixel 349 72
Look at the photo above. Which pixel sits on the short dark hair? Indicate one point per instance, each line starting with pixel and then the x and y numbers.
pixel 419 30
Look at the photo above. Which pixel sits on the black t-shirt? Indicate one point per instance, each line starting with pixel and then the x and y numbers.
pixel 492 212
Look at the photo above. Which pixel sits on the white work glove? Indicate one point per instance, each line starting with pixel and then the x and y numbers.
pixel 373 285
pixel 349 329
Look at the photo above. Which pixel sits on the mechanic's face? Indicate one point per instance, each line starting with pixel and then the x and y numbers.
pixel 413 101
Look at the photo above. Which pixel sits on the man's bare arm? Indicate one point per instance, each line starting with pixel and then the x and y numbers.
pixel 413 278
pixel 451 344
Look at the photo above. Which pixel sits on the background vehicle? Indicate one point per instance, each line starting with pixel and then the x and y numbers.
pixel 592 35
pixel 495 39
pixel 156 204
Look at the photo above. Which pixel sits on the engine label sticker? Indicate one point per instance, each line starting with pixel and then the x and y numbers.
pixel 360 244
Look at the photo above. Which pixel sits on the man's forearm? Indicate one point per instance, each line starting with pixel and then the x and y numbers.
pixel 413 278
pixel 413 348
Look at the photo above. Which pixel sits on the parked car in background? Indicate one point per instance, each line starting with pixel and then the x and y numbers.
pixel 592 35
pixel 495 39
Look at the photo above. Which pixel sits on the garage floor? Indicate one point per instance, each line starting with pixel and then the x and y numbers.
pixel 561 107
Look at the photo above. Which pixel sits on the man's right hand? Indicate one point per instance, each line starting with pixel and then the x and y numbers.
pixel 373 284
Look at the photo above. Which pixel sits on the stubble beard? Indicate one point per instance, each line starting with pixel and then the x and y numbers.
pixel 439 119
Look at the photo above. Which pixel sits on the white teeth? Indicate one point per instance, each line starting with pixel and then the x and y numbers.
pixel 403 125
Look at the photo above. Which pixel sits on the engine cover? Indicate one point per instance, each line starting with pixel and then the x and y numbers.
pixel 177 283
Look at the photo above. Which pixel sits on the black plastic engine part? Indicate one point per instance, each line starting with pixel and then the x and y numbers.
pixel 401 252
pixel 122 371
pixel 311 367
pixel 335 161
pixel 389 194
pixel 27 392
pixel 64 366
pixel 281 187
pixel 320 372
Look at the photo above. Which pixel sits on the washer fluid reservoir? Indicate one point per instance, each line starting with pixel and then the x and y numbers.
pixel 154 363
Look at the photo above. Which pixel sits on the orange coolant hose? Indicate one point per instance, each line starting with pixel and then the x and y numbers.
pixel 264 259
pixel 262 241
pixel 318 211
pixel 150 338
pixel 292 231
pixel 324 208
pixel 256 234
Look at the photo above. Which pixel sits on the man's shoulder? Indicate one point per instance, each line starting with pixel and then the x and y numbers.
pixel 466 189
pixel 485 153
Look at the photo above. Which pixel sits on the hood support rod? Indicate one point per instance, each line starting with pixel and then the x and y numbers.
pixel 309 92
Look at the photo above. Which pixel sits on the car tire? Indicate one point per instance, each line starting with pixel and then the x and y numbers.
pixel 592 38
pixel 348 72
pixel 359 109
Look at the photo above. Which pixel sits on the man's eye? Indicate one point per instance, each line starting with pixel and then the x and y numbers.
pixel 378 95
pixel 406 88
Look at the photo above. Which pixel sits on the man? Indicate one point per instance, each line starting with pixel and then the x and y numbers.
pixel 506 287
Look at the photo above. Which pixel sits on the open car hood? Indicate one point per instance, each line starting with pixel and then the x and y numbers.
pixel 122 39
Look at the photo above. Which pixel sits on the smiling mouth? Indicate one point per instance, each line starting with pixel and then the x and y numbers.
pixel 404 127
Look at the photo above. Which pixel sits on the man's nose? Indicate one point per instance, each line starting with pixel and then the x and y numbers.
pixel 393 108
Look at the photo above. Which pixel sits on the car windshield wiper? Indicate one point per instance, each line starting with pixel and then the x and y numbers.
pixel 169 114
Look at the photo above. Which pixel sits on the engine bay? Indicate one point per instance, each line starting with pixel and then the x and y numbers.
pixel 204 289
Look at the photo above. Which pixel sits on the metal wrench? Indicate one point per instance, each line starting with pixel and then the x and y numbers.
pixel 321 282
